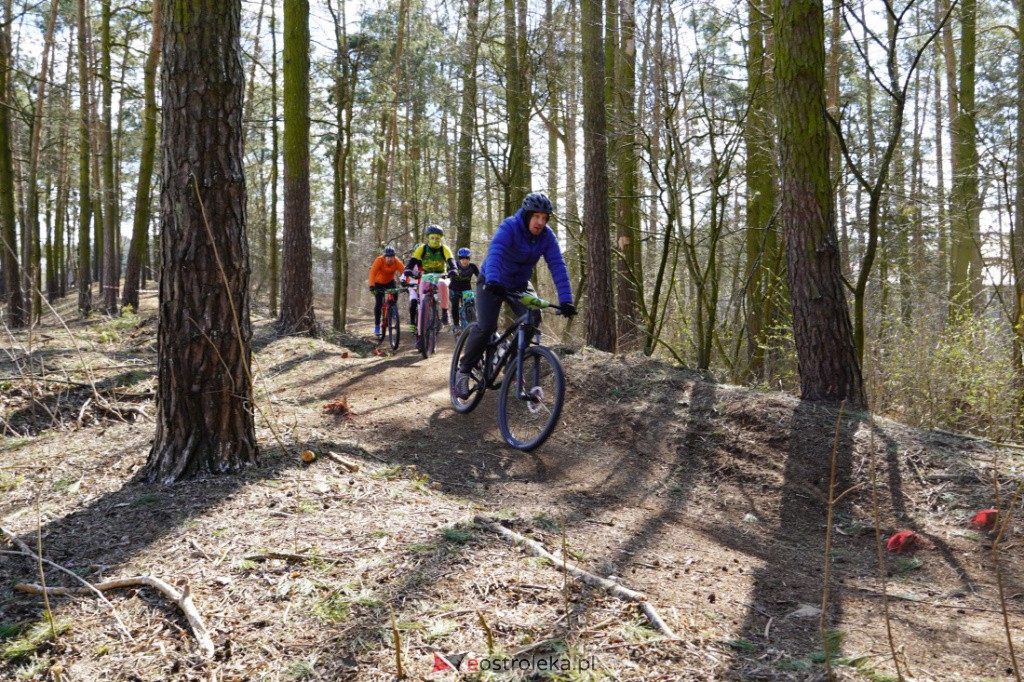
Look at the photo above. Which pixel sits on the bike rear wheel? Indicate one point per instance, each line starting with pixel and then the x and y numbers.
pixel 469 312
pixel 394 327
pixel 527 422
pixel 477 384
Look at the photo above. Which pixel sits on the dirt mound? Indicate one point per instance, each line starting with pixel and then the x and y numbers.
pixel 709 498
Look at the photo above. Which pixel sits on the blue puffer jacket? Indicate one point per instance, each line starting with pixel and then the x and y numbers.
pixel 513 254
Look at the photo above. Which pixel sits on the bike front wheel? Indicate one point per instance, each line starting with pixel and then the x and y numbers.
pixel 394 328
pixel 428 334
pixel 477 384
pixel 527 418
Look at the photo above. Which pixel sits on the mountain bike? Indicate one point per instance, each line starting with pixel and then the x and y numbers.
pixel 532 391
pixel 389 314
pixel 467 312
pixel 430 319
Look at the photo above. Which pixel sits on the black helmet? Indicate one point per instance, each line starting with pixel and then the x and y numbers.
pixel 389 250
pixel 434 229
pixel 538 202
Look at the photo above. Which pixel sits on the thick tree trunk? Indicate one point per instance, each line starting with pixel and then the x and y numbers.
pixel 763 259
pixel 821 322
pixel 467 128
pixel 297 262
pixel 84 275
pixel 630 261
pixel 110 280
pixel 965 279
pixel 16 314
pixel 601 331
pixel 275 270
pixel 204 389
pixel 140 224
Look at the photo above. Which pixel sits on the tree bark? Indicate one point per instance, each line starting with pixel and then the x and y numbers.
pixel 16 313
pixel 140 224
pixel 204 388
pixel 467 128
pixel 84 276
pixel 297 261
pixel 965 279
pixel 763 255
pixel 601 330
pixel 631 276
pixel 110 280
pixel 821 322
pixel 275 270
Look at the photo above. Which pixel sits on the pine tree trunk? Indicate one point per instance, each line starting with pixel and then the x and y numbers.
pixel 140 224
pixel 84 275
pixel 965 279
pixel 16 316
pixel 275 271
pixel 467 128
pixel 762 247
pixel 821 323
pixel 297 261
pixel 601 330
pixel 204 390
pixel 110 280
pixel 631 276
pixel 1017 241
pixel 345 80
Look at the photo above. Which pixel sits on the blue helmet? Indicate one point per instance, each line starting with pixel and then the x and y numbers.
pixel 464 252
pixel 434 229
pixel 538 202
pixel 389 250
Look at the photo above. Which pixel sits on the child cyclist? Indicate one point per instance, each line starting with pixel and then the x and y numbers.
pixel 432 257
pixel 382 276
pixel 461 282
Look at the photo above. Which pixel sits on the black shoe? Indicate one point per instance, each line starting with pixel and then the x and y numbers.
pixel 462 389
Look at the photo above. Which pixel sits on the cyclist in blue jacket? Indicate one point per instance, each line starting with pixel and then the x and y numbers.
pixel 518 244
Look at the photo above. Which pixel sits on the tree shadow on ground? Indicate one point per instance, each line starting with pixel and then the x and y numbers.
pixel 111 531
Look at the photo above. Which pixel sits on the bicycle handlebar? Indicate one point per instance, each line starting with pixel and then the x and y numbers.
pixel 534 303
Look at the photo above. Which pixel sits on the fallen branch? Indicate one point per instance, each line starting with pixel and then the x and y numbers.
pixel 351 467
pixel 26 551
pixel 296 558
pixel 182 599
pixel 608 586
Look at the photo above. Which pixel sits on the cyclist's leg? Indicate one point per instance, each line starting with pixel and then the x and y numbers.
pixel 378 304
pixel 414 302
pixel 442 287
pixel 456 302
pixel 488 307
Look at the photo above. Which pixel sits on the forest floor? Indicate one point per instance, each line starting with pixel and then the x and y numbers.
pixel 709 498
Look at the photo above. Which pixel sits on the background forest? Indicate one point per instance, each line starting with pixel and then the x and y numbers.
pixel 449 112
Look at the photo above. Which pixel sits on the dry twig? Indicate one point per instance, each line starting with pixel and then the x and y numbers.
pixel 608 586
pixel 182 599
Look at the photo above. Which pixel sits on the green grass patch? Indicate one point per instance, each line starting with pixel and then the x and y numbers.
pixel 457 535
pixel 741 644
pixel 907 564
pixel 10 482
pixel 301 670
pixel 147 500
pixel 29 641
pixel 111 330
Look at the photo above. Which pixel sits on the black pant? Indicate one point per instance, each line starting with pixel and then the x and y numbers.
pixel 488 308
pixel 455 299
pixel 378 304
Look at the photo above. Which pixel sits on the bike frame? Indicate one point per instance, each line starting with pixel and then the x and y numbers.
pixel 527 334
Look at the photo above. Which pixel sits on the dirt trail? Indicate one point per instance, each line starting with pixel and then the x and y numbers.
pixel 706 496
